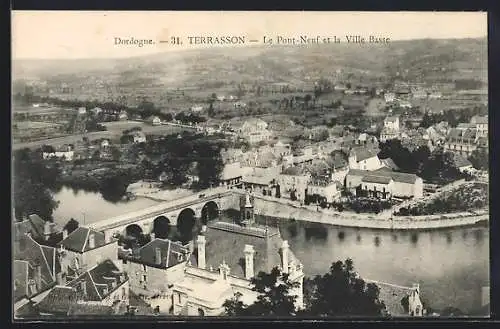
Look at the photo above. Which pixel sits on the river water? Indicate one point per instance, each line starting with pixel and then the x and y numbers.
pixel 451 265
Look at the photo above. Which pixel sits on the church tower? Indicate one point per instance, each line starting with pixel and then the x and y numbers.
pixel 247 216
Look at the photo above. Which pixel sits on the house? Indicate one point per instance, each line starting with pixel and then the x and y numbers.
pixel 193 173
pixel 393 296
pixel 294 180
pixel 481 125
pixel 123 116
pixel 84 248
pixel 389 97
pixel 461 163
pixel 324 190
pixel 139 137
pixel 35 270
pixel 392 123
pixel 227 257
pixel 231 174
pixel 105 144
pixel 196 108
pixel 102 284
pixel 82 110
pixel 154 267
pixel 154 120
pixel 435 95
pixel 364 159
pixel 461 141
pixel 255 130
pixel 405 104
pixel 64 302
pixel 419 94
pixel 96 111
pixel 384 184
pixel 239 105
pixel 388 134
pixel 43 232
pixel 260 180
pixel 64 152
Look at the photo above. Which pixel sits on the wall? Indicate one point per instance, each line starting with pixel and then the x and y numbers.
pixel 404 189
pixel 372 163
pixel 157 280
pixel 121 293
pixel 339 175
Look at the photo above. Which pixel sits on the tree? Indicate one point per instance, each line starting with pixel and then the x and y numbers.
pixel 33 181
pixel 480 159
pixel 274 297
pixel 341 292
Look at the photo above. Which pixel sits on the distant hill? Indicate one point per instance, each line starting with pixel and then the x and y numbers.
pixel 429 59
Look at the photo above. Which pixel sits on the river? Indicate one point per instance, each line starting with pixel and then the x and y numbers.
pixel 451 265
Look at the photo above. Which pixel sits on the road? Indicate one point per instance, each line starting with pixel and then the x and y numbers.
pixel 72 139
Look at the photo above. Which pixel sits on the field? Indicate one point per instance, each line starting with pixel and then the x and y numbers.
pixel 25 125
pixel 117 128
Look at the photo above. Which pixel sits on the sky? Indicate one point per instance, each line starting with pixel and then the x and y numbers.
pixel 86 34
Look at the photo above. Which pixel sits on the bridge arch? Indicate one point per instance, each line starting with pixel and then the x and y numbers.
pixel 186 223
pixel 161 227
pixel 209 212
pixel 133 230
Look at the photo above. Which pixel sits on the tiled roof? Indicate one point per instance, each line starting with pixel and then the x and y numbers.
pixel 27 257
pixel 89 310
pixel 98 279
pixel 58 300
pixel 293 171
pixel 171 254
pixel 226 242
pixel 78 240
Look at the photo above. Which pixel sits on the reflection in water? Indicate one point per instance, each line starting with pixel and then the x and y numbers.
pixel 316 231
pixel 377 241
pixel 358 237
pixel 449 238
pixel 341 235
pixel 414 237
pixel 479 235
pixel 394 237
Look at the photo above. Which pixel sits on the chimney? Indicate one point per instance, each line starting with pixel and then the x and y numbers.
pixel 157 256
pixel 47 229
pixel 284 256
pixel 249 254
pixel 38 276
pixel 201 242
pixel 83 286
pixel 65 233
pixel 91 241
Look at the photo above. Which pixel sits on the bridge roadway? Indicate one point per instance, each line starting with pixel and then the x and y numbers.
pixel 158 210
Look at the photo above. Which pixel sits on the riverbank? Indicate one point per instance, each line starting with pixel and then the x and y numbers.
pixel 279 208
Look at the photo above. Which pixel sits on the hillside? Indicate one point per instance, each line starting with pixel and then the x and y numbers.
pixel 222 67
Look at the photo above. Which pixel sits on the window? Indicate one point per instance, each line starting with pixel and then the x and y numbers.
pixel 144 278
pixel 179 295
pixel 201 312
pixel 144 268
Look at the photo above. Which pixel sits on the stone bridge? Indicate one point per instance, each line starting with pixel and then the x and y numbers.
pixel 185 212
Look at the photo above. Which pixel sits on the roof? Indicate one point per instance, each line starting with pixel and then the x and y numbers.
pixel 225 242
pixel 98 279
pixel 363 153
pixel 479 119
pixel 389 163
pixel 460 161
pixel 231 170
pixel 376 179
pixel 396 176
pixel 89 310
pixel 391 119
pixel 293 171
pixel 58 300
pixel 27 256
pixel 77 240
pixel 392 295
pixel 171 254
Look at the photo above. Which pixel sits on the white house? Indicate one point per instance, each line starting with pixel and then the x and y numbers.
pixel 154 120
pixel 392 122
pixel 82 110
pixel 139 137
pixel 389 97
pixel 364 159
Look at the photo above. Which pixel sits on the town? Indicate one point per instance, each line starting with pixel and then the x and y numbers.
pixel 231 174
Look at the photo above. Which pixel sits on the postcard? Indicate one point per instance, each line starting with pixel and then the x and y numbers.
pixel 183 165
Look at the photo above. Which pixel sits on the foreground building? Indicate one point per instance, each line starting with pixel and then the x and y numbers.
pixel 227 257
pixel 384 184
